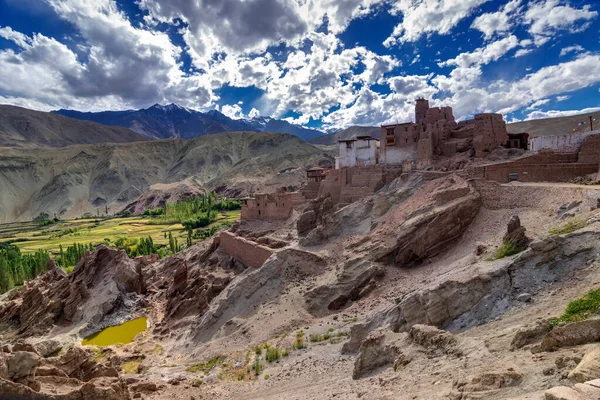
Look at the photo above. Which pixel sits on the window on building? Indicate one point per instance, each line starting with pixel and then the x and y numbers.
pixel 390 131
pixel 348 145
pixel 390 141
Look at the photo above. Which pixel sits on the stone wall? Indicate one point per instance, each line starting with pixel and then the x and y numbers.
pixel 268 207
pixel 347 185
pixel 248 253
pixel 590 150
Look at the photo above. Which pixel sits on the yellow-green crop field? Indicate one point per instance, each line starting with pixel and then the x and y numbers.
pixel 30 236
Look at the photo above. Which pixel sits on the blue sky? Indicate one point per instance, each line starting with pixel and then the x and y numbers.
pixel 320 63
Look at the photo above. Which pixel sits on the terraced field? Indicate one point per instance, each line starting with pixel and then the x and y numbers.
pixel 30 236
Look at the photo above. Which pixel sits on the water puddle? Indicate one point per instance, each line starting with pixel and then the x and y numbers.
pixel 123 333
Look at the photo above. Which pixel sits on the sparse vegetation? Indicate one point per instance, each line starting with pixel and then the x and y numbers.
pixel 131 367
pixel 205 367
pixel 569 226
pixel 506 249
pixel 299 342
pixel 257 366
pixel 580 309
pixel 272 354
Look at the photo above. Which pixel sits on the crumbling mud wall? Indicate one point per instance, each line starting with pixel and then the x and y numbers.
pixel 248 253
pixel 541 167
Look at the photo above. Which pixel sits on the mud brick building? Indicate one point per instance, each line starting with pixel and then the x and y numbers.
pixel 435 133
pixel 268 207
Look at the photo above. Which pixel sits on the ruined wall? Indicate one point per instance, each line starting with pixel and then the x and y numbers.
pixel 560 143
pixel 351 184
pixel 500 197
pixel 248 253
pixel 590 150
pixel 536 172
pixel 267 207
pixel 490 132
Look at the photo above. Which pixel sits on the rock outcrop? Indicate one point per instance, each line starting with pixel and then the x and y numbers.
pixel 356 280
pixel 589 367
pixel 104 282
pixel 374 353
pixel 515 234
pixel 484 385
pixel 573 334
pixel 458 303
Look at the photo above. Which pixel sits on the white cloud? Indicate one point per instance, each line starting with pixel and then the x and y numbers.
pixel 428 17
pixel 233 111
pixel 484 55
pixel 556 113
pixel 547 17
pixel 254 113
pixel 537 104
pixel 562 98
pixel 522 52
pixel 497 22
pixel 571 49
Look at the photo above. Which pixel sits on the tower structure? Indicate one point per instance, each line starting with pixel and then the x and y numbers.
pixel 421 110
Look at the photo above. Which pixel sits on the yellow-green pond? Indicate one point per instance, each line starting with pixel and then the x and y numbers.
pixel 123 333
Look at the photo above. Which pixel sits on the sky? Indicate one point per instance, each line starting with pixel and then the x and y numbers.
pixel 321 63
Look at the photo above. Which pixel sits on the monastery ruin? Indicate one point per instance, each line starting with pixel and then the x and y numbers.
pixel 366 164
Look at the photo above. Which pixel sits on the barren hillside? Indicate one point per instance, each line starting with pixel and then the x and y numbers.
pixel 21 127
pixel 553 126
pixel 83 178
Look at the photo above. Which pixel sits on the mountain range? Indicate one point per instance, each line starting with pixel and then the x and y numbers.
pixel 21 127
pixel 174 121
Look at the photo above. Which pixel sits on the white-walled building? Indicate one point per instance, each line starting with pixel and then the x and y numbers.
pixel 362 151
pixel 561 143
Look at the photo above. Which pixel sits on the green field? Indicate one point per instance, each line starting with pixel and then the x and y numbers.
pixel 30 236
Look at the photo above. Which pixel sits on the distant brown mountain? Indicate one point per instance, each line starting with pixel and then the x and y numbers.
pixel 554 126
pixel 21 127
pixel 73 180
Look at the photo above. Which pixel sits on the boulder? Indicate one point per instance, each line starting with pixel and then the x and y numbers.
pixel 22 364
pixel 374 353
pixel 47 348
pixel 49 370
pixel 515 233
pixel 529 334
pixel 588 368
pixel 574 334
pixel 433 338
pixel 484 385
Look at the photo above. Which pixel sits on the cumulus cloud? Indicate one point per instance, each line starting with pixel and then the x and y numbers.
pixel 571 49
pixel 233 111
pixel 497 22
pixel 547 17
pixel 484 55
pixel 428 17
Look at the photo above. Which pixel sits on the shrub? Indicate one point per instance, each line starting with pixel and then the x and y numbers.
pixel 272 354
pixel 507 248
pixel 205 367
pixel 579 309
pixel 257 367
pixel 569 226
